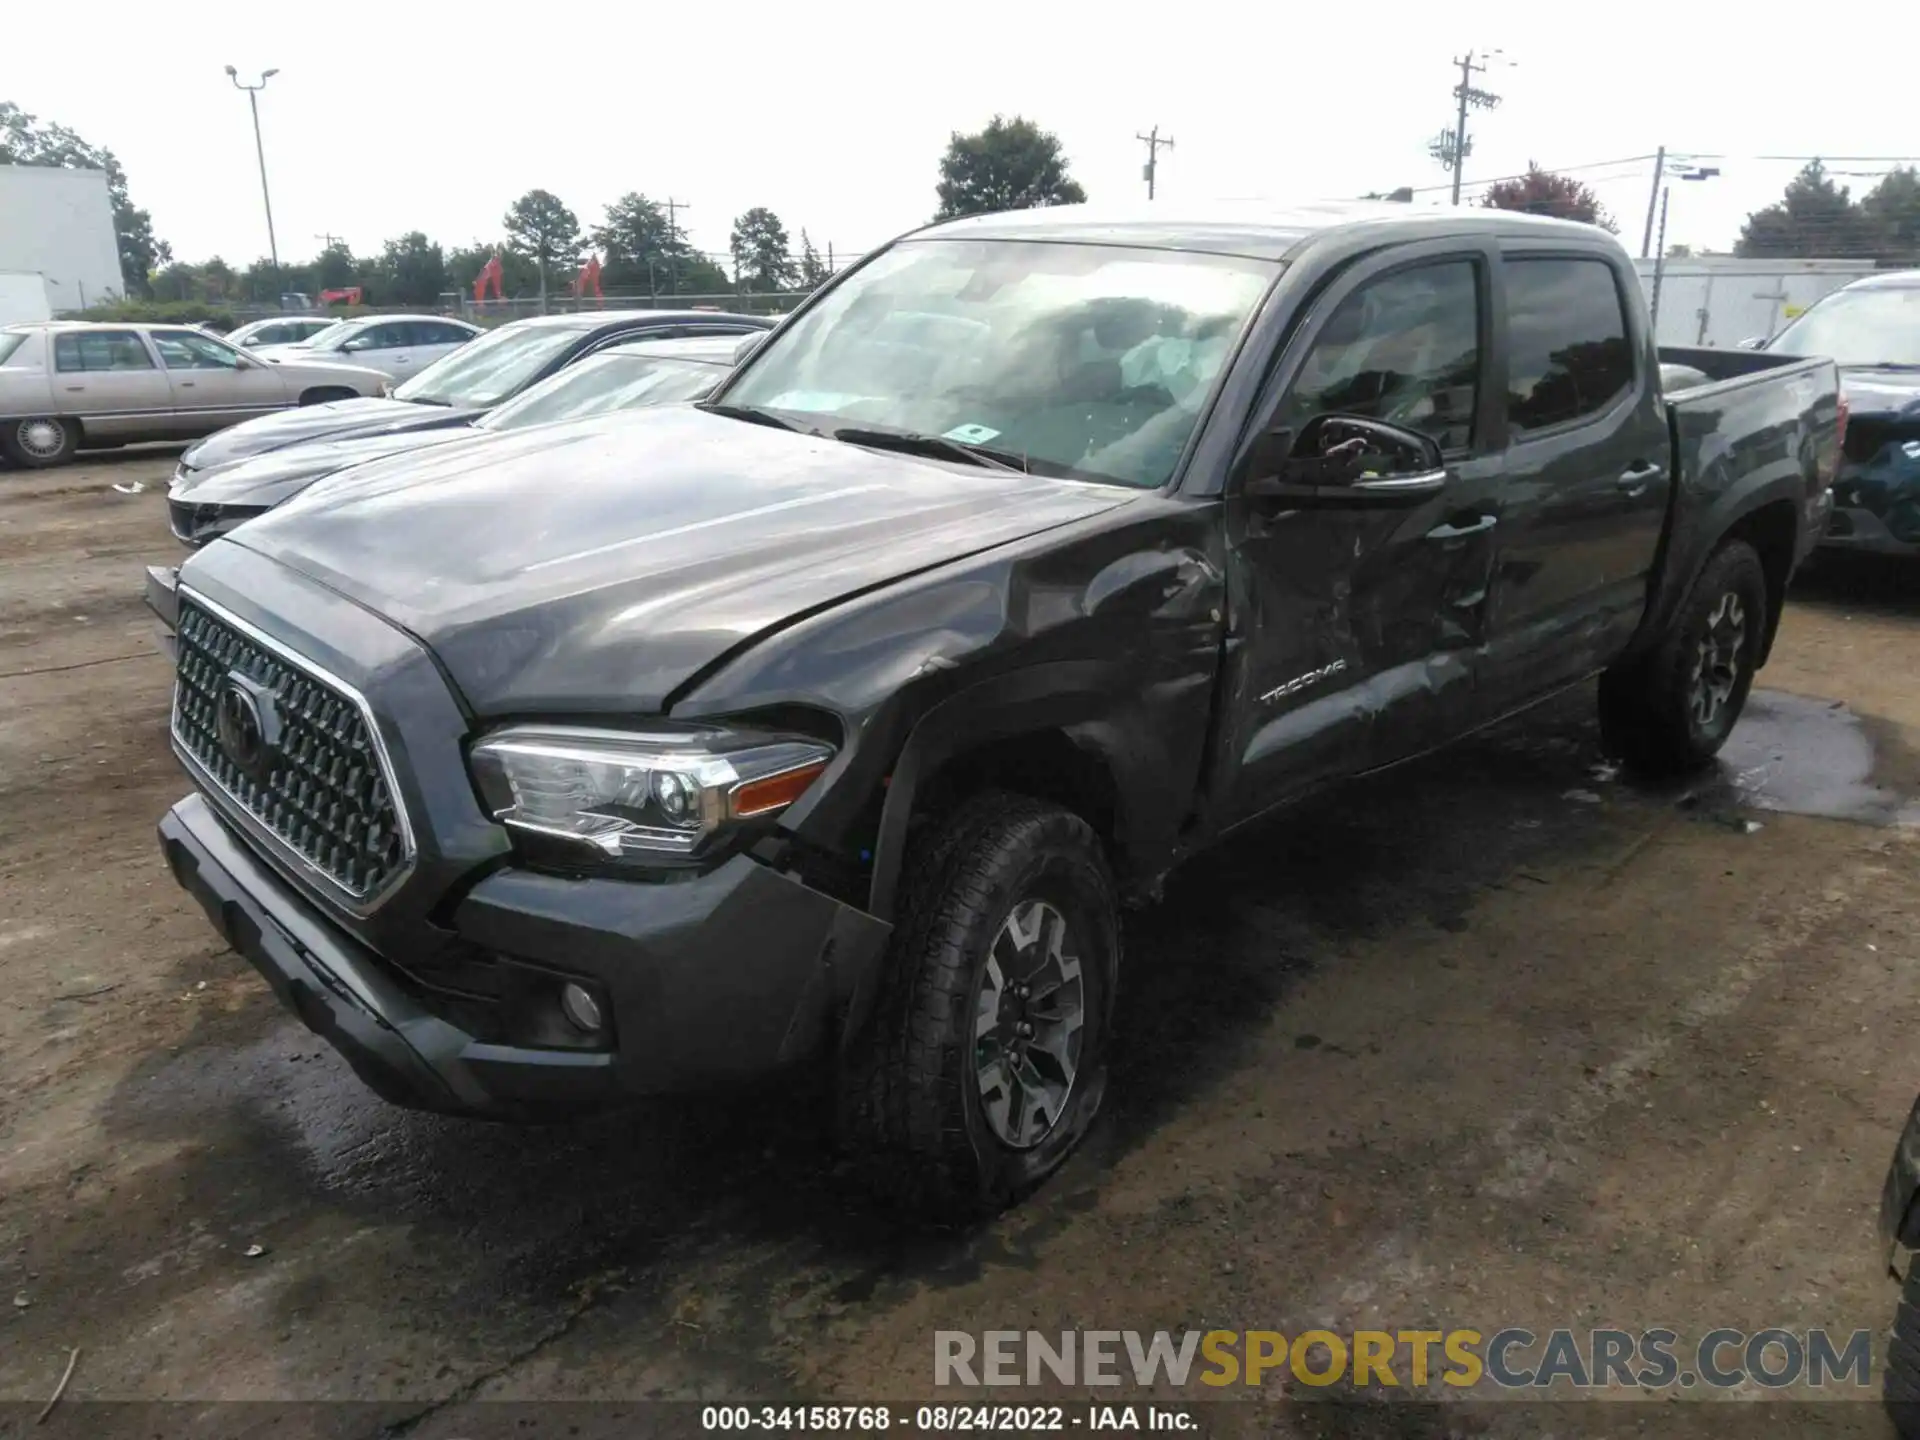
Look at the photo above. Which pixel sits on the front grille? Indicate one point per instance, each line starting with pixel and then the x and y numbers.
pixel 321 791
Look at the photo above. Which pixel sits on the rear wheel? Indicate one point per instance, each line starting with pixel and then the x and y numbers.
pixel 1670 711
pixel 985 1063
pixel 39 441
pixel 326 395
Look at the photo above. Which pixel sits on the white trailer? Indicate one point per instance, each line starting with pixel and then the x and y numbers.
pixel 58 224
pixel 1720 300
pixel 23 297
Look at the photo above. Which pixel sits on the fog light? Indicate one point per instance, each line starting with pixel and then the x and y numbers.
pixel 580 1007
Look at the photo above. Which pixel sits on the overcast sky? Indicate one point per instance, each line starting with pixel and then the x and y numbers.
pixel 434 116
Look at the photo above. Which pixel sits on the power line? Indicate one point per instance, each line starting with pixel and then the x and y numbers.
pixel 1153 142
pixel 1451 147
pixel 1552 169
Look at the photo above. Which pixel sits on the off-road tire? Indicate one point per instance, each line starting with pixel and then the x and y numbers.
pixel 1900 1381
pixel 1648 714
pixel 39 441
pixel 911 1116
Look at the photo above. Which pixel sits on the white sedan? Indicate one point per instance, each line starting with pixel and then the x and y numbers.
pixel 398 346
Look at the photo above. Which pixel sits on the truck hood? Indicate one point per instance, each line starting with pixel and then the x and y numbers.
pixel 277 475
pixel 337 420
pixel 599 565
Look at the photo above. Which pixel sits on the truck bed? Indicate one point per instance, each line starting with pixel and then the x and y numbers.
pixel 1761 435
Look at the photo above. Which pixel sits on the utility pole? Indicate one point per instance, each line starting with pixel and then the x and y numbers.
pixel 1659 267
pixel 259 150
pixel 1653 198
pixel 674 207
pixel 1451 147
pixel 1153 142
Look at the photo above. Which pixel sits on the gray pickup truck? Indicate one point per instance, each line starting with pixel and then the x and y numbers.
pixel 831 720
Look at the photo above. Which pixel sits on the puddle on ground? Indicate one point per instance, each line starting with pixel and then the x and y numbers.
pixel 1815 757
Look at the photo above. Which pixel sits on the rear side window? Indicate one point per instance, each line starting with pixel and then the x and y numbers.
pixel 89 350
pixel 10 342
pixel 1568 356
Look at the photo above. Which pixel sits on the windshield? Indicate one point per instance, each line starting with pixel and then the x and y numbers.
pixel 1093 361
pixel 1858 327
pixel 330 337
pixel 603 383
pixel 485 371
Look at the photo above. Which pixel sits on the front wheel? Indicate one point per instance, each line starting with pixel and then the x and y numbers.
pixel 39 441
pixel 1900 1381
pixel 985 1062
pixel 1670 711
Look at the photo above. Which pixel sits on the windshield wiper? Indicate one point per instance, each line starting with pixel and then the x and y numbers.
pixel 750 413
pixel 427 400
pixel 937 446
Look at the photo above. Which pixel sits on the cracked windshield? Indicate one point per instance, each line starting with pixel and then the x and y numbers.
pixel 1088 361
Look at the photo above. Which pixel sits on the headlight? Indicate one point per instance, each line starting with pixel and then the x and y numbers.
pixel 664 795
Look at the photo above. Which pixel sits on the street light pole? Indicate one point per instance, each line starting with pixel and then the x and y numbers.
pixel 253 103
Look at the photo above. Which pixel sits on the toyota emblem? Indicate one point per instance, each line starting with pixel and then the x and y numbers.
pixel 247 723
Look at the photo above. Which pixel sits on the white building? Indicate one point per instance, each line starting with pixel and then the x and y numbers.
pixel 58 223
pixel 1720 300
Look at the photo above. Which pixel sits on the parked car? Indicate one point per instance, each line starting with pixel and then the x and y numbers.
pixel 280 330
pixel 627 376
pixel 472 380
pixel 398 346
pixel 1872 329
pixel 65 385
pixel 833 716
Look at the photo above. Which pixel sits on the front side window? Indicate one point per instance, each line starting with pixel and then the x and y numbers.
pixel 184 350
pixel 1404 349
pixel 1568 356
pixel 91 350
pixel 1877 327
pixel 605 383
pixel 1091 361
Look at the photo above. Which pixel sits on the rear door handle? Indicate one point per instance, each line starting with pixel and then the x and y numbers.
pixel 1636 478
pixel 1458 526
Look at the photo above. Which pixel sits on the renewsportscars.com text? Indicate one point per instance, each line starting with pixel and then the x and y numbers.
pixel 1509 1359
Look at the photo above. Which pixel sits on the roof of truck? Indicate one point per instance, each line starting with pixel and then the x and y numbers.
pixel 1262 229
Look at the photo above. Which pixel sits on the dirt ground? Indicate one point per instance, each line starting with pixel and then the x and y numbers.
pixel 1497 1040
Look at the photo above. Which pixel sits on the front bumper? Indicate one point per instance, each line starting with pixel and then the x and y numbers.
pixel 1852 528
pixel 162 594
pixel 713 980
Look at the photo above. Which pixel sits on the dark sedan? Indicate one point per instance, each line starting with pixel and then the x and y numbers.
pixel 627 376
pixel 1872 329
pixel 473 379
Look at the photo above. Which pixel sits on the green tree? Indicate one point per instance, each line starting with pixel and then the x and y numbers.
pixel 1892 214
pixel 1816 217
pixel 813 270
pixel 545 231
pixel 638 248
pixel 412 270
pixel 1541 192
pixel 24 140
pixel 1011 165
pixel 762 253
pixel 335 268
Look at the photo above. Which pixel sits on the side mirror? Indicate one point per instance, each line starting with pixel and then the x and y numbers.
pixel 748 344
pixel 1345 460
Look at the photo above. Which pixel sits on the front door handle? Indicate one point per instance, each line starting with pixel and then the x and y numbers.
pixel 1457 527
pixel 1636 478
